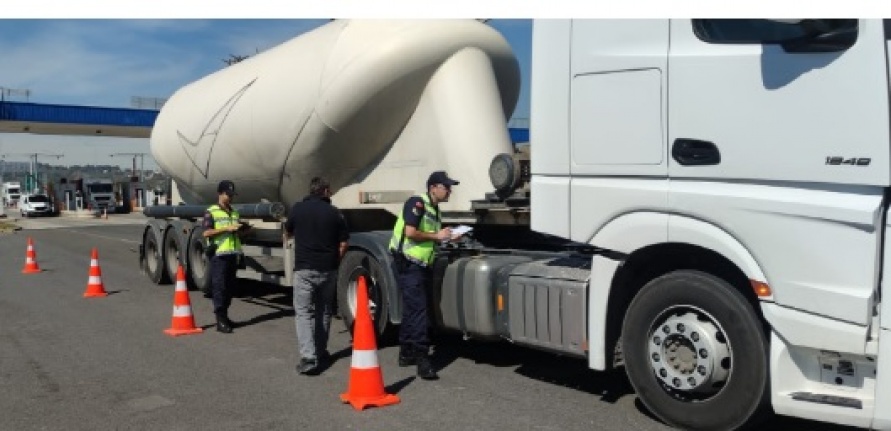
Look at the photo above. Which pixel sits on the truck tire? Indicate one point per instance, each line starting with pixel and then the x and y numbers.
pixel 174 253
pixel 154 258
pixel 198 264
pixel 356 263
pixel 696 353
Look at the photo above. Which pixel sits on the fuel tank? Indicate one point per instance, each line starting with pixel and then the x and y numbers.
pixel 374 106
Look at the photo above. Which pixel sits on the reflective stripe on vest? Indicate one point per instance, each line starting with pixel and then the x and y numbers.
pixel 227 243
pixel 418 252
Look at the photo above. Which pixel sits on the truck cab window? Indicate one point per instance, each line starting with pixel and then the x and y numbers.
pixel 764 31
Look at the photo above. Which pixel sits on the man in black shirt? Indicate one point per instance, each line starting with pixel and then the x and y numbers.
pixel 320 241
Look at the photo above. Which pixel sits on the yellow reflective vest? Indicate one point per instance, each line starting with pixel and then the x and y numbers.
pixel 229 242
pixel 420 252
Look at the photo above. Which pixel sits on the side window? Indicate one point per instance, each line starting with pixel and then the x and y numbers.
pixel 763 31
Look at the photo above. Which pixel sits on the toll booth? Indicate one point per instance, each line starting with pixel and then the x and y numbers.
pixel 138 196
pixel 66 196
pixel 131 196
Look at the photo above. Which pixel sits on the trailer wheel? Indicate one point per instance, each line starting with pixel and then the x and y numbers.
pixel 199 266
pixel 174 252
pixel 358 263
pixel 696 353
pixel 154 258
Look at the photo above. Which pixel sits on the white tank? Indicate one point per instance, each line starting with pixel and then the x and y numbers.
pixel 374 106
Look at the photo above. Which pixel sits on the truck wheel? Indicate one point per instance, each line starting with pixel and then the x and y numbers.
pixel 357 263
pixel 199 267
pixel 174 253
pixel 696 352
pixel 154 258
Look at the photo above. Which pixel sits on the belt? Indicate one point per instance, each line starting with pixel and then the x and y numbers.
pixel 410 259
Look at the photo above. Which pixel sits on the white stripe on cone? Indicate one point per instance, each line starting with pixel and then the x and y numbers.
pixel 181 286
pixel 182 311
pixel 29 260
pixel 94 262
pixel 365 359
pixel 95 279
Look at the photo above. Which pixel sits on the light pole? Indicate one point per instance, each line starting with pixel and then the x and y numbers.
pixel 32 160
pixel 141 162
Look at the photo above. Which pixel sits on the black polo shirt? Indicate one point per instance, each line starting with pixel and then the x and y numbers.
pixel 318 229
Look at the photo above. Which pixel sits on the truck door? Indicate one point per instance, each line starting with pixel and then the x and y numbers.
pixel 778 135
pixel 617 120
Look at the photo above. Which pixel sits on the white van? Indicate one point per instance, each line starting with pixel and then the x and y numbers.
pixel 32 205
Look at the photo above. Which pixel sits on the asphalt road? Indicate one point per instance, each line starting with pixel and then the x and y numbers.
pixel 67 362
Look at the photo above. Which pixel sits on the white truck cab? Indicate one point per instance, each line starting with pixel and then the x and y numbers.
pixel 100 195
pixel 736 175
pixel 12 192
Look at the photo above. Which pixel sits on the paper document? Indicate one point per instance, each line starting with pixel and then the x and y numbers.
pixel 460 229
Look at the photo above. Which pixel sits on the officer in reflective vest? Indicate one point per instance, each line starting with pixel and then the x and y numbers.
pixel 222 227
pixel 413 244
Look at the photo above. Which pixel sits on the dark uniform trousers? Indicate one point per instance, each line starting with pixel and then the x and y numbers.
pixel 222 279
pixel 412 280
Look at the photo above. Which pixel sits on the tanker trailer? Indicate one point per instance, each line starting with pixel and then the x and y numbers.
pixel 374 106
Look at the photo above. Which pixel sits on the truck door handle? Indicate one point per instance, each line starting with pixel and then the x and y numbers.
pixel 693 152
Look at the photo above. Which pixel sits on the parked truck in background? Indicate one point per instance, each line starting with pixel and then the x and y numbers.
pixel 705 202
pixel 99 195
pixel 12 192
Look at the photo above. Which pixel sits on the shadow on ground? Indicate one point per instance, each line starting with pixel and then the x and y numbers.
pixel 571 372
pixel 565 371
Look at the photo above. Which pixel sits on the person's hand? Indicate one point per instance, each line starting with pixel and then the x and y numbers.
pixel 443 234
pixel 232 228
pixel 456 237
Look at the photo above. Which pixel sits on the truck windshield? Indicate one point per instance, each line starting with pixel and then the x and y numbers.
pixel 13 191
pixel 38 198
pixel 100 188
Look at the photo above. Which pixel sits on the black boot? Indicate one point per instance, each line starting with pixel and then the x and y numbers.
pixel 223 324
pixel 425 367
pixel 407 356
pixel 228 321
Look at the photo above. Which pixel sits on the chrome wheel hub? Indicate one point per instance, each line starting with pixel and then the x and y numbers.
pixel 689 353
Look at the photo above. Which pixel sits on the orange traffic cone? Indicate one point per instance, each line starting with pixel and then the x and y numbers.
pixel 366 387
pixel 94 284
pixel 183 323
pixel 30 260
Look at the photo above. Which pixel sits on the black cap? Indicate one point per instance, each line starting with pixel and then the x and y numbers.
pixel 227 187
pixel 440 177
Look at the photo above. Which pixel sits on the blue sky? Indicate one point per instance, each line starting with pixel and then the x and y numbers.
pixel 104 62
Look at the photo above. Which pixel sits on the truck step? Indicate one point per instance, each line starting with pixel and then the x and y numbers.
pixel 833 400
